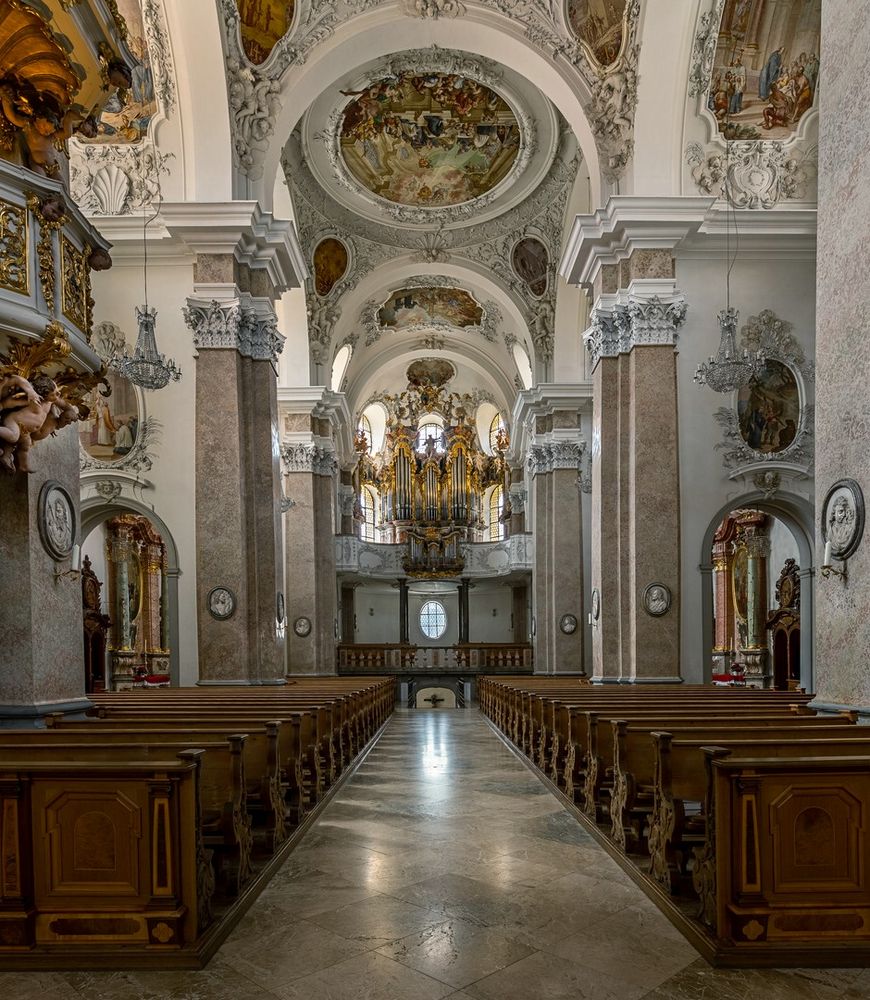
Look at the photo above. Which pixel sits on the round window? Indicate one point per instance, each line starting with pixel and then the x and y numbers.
pixel 433 620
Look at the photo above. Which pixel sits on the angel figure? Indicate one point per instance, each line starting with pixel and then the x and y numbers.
pixel 29 412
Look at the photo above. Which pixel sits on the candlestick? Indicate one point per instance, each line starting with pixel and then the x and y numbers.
pixel 826 560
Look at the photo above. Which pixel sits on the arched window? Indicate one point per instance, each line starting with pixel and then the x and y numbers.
pixel 368 502
pixel 339 367
pixel 364 427
pixel 433 620
pixel 427 430
pixel 496 425
pixel 496 509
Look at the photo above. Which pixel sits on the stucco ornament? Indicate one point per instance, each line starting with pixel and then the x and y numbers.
pixel 434 9
pixel 759 174
pixel 773 337
pixel 641 321
pixel 704 50
pixel 255 102
pixel 843 518
pixel 229 324
pixel 116 178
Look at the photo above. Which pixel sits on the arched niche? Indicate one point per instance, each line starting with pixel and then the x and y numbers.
pixel 96 511
pixel 799 517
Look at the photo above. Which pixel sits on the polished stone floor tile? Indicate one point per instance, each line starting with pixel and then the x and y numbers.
pixel 445 868
pixel 456 952
pixel 368 977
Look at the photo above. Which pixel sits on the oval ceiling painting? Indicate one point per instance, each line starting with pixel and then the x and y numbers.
pixel 330 264
pixel 263 24
pixel 766 70
pixel 430 371
pixel 769 409
pixel 428 140
pixel 530 261
pixel 599 23
pixel 430 307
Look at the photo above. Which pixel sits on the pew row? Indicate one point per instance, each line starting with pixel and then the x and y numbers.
pixel 741 813
pixel 137 837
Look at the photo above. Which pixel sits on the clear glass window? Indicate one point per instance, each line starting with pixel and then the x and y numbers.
pixel 369 503
pixel 496 509
pixel 433 620
pixel 433 430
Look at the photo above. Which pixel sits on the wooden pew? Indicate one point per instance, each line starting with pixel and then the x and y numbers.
pixel 102 856
pixel 682 776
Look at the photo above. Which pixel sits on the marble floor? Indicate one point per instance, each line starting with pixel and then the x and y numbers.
pixel 444 868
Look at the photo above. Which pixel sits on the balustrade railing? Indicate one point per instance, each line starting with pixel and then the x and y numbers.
pixel 396 658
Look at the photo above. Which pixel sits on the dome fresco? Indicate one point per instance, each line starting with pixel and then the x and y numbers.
pixel 428 139
pixel 412 307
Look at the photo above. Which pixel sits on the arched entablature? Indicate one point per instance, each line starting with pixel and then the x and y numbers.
pixel 383 32
pixel 359 305
pixel 386 370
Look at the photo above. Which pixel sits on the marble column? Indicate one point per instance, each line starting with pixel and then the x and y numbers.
pixel 553 465
pixel 520 612
pixel 41 658
pixel 238 496
pixel 635 470
pixel 842 345
pixel 310 543
pixel 464 611
pixel 755 653
pixel 404 629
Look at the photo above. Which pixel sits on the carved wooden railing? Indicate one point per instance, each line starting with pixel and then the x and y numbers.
pixel 380 658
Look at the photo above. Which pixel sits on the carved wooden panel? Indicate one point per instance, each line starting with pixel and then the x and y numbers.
pixel 91 840
pixel 817 840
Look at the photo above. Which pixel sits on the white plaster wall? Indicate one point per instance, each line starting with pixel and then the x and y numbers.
pixel 771 282
pixel 383 624
pixel 168 488
pixel 483 626
pixel 94 547
pixel 782 546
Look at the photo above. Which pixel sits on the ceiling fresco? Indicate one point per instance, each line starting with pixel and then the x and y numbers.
pixel 415 307
pixel 263 24
pixel 128 112
pixel 766 70
pixel 599 23
pixel 428 140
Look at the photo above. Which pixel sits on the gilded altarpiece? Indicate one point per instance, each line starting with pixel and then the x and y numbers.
pixel 136 556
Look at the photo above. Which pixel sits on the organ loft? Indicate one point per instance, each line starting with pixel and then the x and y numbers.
pixel 432 499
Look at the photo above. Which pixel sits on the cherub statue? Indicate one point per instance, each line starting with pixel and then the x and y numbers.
pixel 42 129
pixel 29 412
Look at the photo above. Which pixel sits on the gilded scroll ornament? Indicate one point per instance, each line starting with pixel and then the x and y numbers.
pixel 13 247
pixel 50 215
pixel 75 282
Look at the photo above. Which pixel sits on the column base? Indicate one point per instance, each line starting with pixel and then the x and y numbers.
pixel 832 708
pixel 650 680
pixel 24 715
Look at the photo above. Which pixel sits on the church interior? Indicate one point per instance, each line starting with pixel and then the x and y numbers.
pixel 432 467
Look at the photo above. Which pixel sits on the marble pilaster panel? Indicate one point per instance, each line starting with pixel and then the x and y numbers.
pixel 605 519
pixel 41 668
pixel 541 609
pixel 300 562
pixel 566 570
pixel 654 506
pixel 842 345
pixel 221 514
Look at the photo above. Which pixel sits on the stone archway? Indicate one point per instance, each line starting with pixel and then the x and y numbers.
pixel 95 511
pixel 435 697
pixel 798 516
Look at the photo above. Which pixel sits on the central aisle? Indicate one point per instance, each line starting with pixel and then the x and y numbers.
pixel 444 868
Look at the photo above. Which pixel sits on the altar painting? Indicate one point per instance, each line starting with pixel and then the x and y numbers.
pixel 112 426
pixel 128 113
pixel 263 24
pixel 768 409
pixel 599 23
pixel 430 306
pixel 766 69
pixel 428 140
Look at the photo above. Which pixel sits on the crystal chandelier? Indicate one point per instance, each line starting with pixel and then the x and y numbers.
pixel 729 370
pixel 146 366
